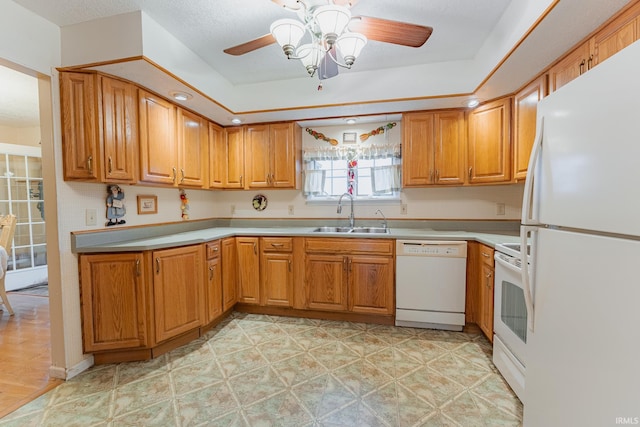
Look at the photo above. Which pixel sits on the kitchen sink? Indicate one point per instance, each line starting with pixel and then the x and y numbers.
pixel 351 230
pixel 332 230
pixel 370 230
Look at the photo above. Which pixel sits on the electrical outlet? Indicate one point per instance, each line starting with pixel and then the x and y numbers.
pixel 499 208
pixel 90 217
pixel 233 209
pixel 290 209
pixel 403 209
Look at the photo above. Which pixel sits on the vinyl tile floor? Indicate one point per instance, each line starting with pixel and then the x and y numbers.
pixel 258 370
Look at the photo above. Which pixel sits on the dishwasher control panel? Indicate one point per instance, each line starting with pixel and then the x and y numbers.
pixel 431 248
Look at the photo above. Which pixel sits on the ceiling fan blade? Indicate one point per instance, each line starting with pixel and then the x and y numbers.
pixel 328 67
pixel 251 45
pixel 289 4
pixel 384 30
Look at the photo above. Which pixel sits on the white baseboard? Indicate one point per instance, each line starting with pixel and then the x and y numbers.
pixel 67 374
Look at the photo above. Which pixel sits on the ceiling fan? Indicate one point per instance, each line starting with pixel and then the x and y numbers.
pixel 332 30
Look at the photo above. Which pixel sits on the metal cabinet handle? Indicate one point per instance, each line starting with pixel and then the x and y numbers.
pixel 157 265
pixel 215 249
pixel 110 165
pixel 90 164
pixel 289 266
pixel 349 264
pixel 581 67
pixel 241 185
pixel 344 263
pixel 277 245
pixel 182 174
pixel 470 170
pixel 437 175
pixel 175 174
pixel 431 175
pixel 255 249
pixel 210 272
pixel 486 255
pixel 137 267
pixel 590 62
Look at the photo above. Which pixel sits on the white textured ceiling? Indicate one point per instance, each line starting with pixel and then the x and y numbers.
pixel 465 32
pixel 18 99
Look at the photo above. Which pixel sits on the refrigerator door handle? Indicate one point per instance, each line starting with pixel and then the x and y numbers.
pixel 526 275
pixel 528 215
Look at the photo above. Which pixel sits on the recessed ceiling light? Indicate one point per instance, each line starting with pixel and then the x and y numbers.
pixel 350 121
pixel 472 103
pixel 236 121
pixel 180 96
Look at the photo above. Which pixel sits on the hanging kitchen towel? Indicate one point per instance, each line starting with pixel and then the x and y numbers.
pixel 4 257
pixel 314 182
pixel 385 179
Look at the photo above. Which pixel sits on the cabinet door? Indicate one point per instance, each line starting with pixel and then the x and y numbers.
pixel 158 148
pixel 571 66
pixel 485 309
pixel 526 107
pixel 248 270
pixel 257 160
pixel 193 141
pixel 79 126
pixel 417 149
pixel 217 156
pixel 178 290
pixel 449 148
pixel 213 289
pixel 114 296
pixel 371 284
pixel 617 35
pixel 283 155
pixel 119 130
pixel 276 270
pixel 489 153
pixel 234 153
pixel 229 273
pixel 326 282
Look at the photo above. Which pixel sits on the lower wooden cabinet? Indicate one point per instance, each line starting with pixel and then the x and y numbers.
pixel 354 275
pixel 248 270
pixel 213 283
pixel 276 271
pixel 485 290
pixel 229 273
pixel 114 296
pixel 178 291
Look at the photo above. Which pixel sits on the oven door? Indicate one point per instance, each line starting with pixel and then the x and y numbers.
pixel 510 309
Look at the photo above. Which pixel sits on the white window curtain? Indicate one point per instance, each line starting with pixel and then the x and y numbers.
pixel 385 179
pixel 314 181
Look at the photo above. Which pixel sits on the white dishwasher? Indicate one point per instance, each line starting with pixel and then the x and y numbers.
pixel 430 284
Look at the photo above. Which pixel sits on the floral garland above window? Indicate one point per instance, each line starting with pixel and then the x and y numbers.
pixel 377 131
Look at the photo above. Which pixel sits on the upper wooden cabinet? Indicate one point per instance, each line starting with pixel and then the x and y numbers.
pixel 272 155
pixel 433 148
pixel 524 119
pixel 489 144
pixel 226 157
pixel 99 128
pixel 614 36
pixel 173 144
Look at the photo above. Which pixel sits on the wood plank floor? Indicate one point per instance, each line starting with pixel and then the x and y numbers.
pixel 25 354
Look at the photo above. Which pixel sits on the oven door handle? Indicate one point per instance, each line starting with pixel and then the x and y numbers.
pixel 504 263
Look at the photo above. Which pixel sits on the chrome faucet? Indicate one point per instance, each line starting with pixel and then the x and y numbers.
pixel 384 219
pixel 352 219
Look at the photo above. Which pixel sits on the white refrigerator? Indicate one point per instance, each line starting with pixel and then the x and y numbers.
pixel 581 214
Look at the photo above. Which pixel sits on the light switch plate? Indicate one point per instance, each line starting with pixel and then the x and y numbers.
pixel 90 217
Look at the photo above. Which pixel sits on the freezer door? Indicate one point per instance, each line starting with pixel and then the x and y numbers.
pixel 588 167
pixel 582 358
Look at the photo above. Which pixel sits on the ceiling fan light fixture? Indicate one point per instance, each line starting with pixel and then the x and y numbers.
pixel 310 55
pixel 332 21
pixel 350 45
pixel 288 33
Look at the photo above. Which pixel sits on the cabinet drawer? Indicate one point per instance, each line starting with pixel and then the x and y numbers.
pixel 486 255
pixel 277 244
pixel 213 249
pixel 350 246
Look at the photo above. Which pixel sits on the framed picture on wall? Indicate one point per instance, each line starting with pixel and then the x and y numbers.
pixel 349 137
pixel 147 204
